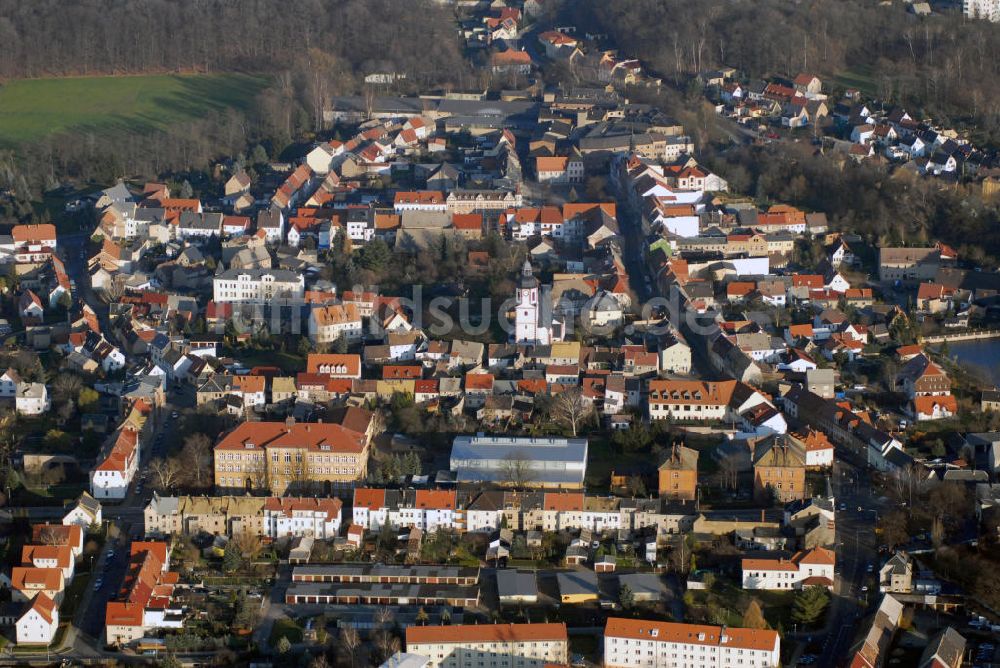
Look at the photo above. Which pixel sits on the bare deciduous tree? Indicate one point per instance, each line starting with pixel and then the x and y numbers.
pixel 350 641
pixel 386 642
pixel 570 409
pixel 50 535
pixel 249 544
pixel 166 473
pixel 517 469
pixel 196 457
pixel 729 471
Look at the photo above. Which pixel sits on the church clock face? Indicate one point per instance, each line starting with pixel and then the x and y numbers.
pixel 525 295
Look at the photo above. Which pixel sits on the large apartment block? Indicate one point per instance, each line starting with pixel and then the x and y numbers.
pixel 638 643
pixel 257 286
pixel 490 645
pixel 689 399
pixel 278 456
pixel 274 517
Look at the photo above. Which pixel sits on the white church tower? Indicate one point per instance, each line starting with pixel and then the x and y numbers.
pixel 528 326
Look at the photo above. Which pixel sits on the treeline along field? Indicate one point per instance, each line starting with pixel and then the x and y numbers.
pixel 33 109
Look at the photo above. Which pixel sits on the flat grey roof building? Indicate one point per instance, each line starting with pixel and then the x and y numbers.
pixel 525 461
pixel 370 593
pixel 646 587
pixel 517 586
pixel 574 584
pixel 369 573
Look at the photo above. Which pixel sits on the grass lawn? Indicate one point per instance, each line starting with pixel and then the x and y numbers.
pixel 587 646
pixel 288 628
pixel 860 78
pixel 51 495
pixel 287 362
pixel 31 109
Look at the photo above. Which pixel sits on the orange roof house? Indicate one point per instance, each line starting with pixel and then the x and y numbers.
pixel 33 234
pixel 418 197
pixel 372 499
pixel 484 633
pixel 58 534
pixel 148 585
pixel 479 382
pixel 436 498
pixel 28 581
pixel 557 163
pixel 563 501
pixel 339 365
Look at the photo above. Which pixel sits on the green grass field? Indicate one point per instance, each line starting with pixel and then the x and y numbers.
pixel 34 108
pixel 860 78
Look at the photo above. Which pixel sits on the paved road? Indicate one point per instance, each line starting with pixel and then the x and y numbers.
pixel 111 572
pixel 273 607
pixel 856 550
pixel 640 276
pixel 73 246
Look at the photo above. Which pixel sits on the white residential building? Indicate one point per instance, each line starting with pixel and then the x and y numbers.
pixel 257 286
pixel 113 474
pixel 85 512
pixel 982 9
pixel 689 399
pixel 38 624
pixel 804 569
pixel 32 399
pixel 9 382
pixel 504 645
pixel 329 323
pixel 427 510
pixel 302 517
pixel 111 478
pixel 637 643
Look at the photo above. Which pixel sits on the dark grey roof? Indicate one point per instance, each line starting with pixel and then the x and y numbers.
pixel 577 582
pixel 516 584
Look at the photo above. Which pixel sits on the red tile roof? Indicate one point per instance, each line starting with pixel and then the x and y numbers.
pixel 563 501
pixel 27 234
pixel 693 634
pixel 44 606
pixel 436 499
pixel 334 364
pixel 313 437
pixel 479 381
pixel 289 506
pixel 419 197
pixel 371 499
pixel 480 633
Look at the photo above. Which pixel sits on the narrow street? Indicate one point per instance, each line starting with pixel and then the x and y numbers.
pixel 857 548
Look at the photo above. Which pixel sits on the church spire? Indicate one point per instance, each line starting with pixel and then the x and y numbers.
pixel 528 279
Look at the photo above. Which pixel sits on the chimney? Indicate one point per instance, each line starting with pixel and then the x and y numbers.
pixel 290 421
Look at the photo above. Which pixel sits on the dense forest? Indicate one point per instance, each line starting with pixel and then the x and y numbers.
pixel 52 37
pixel 945 65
